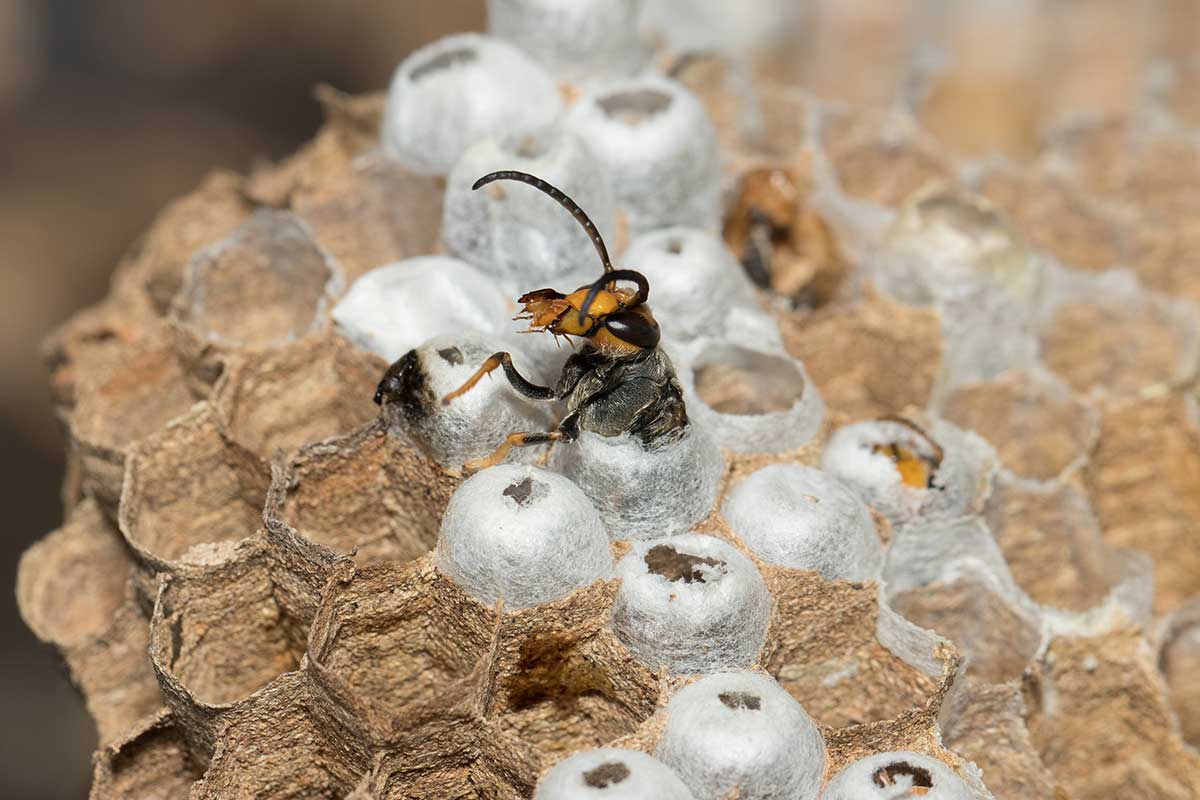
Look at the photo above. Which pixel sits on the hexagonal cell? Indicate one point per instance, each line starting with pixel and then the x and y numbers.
pixel 264 285
pixel 374 214
pixel 153 762
pixel 997 639
pixel 824 648
pixel 886 359
pixel 273 746
pixel 574 42
pixel 219 635
pixel 1053 544
pixel 121 401
pixel 562 682
pixel 70 583
pixel 909 471
pixel 1144 484
pixel 190 494
pixel 985 724
pixel 753 401
pixel 1039 429
pixel 454 758
pixel 311 389
pixel 950 577
pixel 881 159
pixel 453 92
pixel 367 491
pixel 88 340
pixel 656 141
pixel 1105 334
pixel 1055 216
pixel 1179 661
pixel 208 213
pixel 73 591
pixel 1099 718
pixel 389 639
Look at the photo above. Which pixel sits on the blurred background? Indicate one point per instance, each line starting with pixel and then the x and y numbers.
pixel 108 110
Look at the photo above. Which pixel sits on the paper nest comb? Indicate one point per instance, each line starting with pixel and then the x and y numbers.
pixel 247 588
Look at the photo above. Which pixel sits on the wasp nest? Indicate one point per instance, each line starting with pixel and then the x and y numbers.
pixel 930 529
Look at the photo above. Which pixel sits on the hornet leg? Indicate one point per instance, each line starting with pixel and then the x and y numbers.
pixel 511 441
pixel 524 387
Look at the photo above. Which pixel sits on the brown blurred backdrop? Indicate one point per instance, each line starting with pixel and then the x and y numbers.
pixel 108 109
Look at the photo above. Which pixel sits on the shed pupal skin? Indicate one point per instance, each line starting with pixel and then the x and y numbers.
pixel 691 603
pixel 656 140
pixel 523 536
pixel 897 776
pixel 742 731
pixel 804 518
pixel 450 94
pixel 611 774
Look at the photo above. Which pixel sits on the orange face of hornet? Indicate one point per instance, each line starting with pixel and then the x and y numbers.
pixel 550 311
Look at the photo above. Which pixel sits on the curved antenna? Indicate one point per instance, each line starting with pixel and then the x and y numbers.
pixel 643 292
pixel 564 201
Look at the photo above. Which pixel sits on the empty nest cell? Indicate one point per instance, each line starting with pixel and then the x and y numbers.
pixel 368 492
pixel 219 635
pixel 191 493
pixel 312 389
pixel 389 639
pixel 562 682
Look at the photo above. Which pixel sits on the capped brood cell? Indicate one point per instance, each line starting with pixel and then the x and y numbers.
pixel 522 536
pixel 611 774
pixel 645 493
pixel 190 494
pixel 450 94
pixel 907 472
pixel 655 140
pixel 398 307
pixel 691 603
pixel 800 517
pixel 368 492
pixel 265 284
pixel 312 389
pixel 573 40
pixel 697 281
pixel 742 732
pixel 472 426
pixel 893 776
pixel 516 234
pixel 753 401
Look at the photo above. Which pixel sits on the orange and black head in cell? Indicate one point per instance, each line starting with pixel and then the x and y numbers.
pixel 917 461
pixel 613 319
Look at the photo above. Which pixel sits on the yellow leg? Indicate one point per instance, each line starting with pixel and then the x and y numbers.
pixel 511 441
pixel 488 366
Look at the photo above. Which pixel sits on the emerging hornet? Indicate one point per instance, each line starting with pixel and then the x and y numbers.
pixel 620 381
